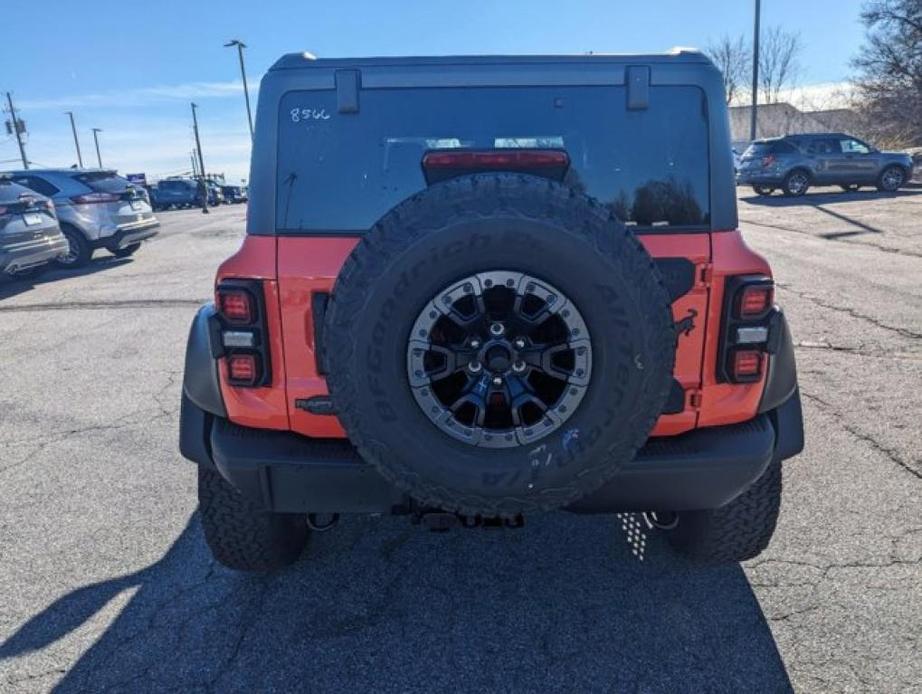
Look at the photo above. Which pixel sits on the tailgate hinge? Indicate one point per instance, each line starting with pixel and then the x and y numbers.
pixel 705 274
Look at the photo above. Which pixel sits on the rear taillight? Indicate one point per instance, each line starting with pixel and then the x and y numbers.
pixel 754 300
pixel 242 369
pixel 442 164
pixel 746 365
pixel 749 321
pixel 236 305
pixel 92 198
pixel 243 332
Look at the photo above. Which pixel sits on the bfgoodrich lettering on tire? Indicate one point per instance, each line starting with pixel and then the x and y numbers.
pixel 454 367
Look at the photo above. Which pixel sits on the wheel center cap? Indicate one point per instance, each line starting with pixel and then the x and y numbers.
pixel 498 358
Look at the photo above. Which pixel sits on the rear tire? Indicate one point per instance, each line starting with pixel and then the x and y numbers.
pixel 242 536
pixel 79 252
pixel 891 179
pixel 736 532
pixel 796 183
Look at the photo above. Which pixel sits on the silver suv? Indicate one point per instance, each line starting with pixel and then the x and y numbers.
pixel 795 162
pixel 96 208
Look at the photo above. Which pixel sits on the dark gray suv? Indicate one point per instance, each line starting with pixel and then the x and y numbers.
pixel 795 162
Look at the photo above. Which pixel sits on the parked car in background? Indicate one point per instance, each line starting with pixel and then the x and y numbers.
pixel 793 163
pixel 215 194
pixel 234 194
pixel 175 193
pixel 29 233
pixel 96 208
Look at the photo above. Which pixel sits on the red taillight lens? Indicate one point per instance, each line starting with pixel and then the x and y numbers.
pixel 755 300
pixel 768 160
pixel 236 306
pixel 746 365
pixel 91 198
pixel 242 369
pixel 515 159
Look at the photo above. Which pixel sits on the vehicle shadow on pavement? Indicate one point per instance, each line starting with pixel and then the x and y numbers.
pixel 380 605
pixel 10 287
pixel 825 197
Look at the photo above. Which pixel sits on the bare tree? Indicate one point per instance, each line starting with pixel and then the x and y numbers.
pixel 889 81
pixel 779 64
pixel 733 58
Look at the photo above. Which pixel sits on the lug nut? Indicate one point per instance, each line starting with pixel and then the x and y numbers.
pixel 518 366
pixel 519 343
pixel 497 381
pixel 474 367
pixel 497 329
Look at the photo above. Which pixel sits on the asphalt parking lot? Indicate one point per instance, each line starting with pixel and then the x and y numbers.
pixel 106 583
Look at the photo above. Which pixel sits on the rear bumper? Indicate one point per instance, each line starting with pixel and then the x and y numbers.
pixel 32 253
pixel 129 234
pixel 285 472
pixel 758 179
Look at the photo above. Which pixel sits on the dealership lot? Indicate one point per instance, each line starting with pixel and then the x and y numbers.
pixel 106 582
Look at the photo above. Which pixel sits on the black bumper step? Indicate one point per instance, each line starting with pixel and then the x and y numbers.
pixel 286 472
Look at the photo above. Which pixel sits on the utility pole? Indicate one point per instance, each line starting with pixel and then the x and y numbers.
pixel 246 92
pixel 76 141
pixel 201 162
pixel 17 127
pixel 194 165
pixel 96 132
pixel 753 116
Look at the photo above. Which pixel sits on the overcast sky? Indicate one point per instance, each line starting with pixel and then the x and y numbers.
pixel 132 68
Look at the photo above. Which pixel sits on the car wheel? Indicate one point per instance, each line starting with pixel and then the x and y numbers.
pixel 891 179
pixel 796 183
pixel 498 344
pixel 126 251
pixel 242 536
pixel 763 190
pixel 79 251
pixel 735 532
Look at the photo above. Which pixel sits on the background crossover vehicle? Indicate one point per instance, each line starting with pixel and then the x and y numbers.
pixel 29 232
pixel 96 208
pixel 795 162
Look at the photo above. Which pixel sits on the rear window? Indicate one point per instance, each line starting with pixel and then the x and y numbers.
pixel 342 172
pixel 104 181
pixel 760 149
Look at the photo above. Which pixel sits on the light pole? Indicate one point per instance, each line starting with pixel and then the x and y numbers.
pixel 246 92
pixel 753 116
pixel 96 132
pixel 73 129
pixel 201 162
pixel 16 126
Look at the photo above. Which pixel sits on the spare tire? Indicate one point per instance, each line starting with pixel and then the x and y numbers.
pixel 499 344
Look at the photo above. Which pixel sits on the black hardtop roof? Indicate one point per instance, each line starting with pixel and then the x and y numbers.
pixel 292 61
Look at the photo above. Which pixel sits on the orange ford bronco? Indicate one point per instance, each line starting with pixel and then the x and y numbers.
pixel 474 289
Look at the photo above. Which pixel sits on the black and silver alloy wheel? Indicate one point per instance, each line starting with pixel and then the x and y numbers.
pixel 499 359
pixel 891 179
pixel 796 183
